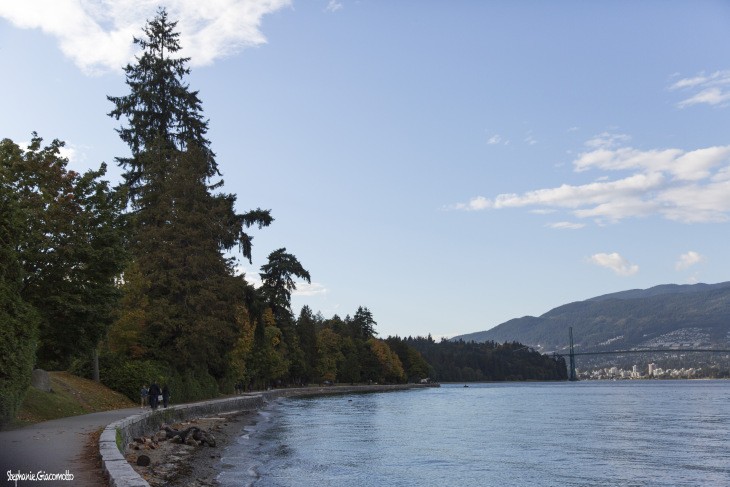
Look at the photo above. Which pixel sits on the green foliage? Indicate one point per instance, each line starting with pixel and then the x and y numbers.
pixel 386 366
pixel 182 301
pixel 71 247
pixel 119 440
pixel 278 283
pixel 128 376
pixel 17 350
pixel 307 334
pixel 414 365
pixel 470 361
pixel 18 320
pixel 160 105
pixel 329 354
pixel 363 323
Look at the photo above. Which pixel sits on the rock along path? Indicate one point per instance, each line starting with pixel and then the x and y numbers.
pixel 54 447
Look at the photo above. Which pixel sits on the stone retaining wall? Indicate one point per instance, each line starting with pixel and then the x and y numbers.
pixel 117 435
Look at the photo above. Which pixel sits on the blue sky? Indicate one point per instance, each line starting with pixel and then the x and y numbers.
pixel 449 165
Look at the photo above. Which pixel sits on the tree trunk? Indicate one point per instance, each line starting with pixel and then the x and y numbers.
pixel 96 365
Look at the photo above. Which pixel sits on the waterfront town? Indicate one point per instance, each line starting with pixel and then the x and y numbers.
pixel 651 372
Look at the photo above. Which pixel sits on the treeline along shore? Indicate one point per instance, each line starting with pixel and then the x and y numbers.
pixel 138 283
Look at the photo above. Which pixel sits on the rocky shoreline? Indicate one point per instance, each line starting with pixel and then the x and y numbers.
pixel 191 463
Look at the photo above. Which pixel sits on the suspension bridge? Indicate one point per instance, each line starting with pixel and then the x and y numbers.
pixel 572 376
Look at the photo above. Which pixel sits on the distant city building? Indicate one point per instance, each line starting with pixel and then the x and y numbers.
pixel 652 369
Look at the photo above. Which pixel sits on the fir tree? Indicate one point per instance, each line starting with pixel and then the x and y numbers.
pixel 192 290
pixel 278 283
pixel 160 105
pixel 180 229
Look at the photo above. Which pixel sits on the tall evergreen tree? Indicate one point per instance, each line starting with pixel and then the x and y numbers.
pixel 307 333
pixel 277 284
pixel 179 229
pixel 364 323
pixel 192 290
pixel 160 105
pixel 277 280
pixel 164 118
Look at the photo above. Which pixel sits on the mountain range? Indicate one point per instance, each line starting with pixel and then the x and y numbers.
pixel 666 316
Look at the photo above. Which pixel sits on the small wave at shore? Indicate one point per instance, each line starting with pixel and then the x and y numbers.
pixel 241 461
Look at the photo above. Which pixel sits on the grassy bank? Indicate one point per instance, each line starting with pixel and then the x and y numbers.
pixel 70 396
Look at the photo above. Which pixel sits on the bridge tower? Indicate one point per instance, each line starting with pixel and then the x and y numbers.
pixel 571 374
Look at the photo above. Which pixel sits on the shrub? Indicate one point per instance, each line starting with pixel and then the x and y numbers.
pixel 18 337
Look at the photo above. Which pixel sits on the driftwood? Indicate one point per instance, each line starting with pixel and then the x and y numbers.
pixel 194 433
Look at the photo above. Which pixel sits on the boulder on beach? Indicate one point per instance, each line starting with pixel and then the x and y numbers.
pixel 143 461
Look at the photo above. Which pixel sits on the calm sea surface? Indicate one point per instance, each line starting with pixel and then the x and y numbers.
pixel 633 433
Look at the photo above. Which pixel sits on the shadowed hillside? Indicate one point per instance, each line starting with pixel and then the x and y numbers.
pixel 667 316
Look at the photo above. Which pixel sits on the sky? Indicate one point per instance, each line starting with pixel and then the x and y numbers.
pixel 448 165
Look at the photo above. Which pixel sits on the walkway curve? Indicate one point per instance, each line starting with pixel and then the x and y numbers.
pixel 54 447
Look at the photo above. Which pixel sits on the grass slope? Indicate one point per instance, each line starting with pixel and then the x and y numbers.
pixel 70 396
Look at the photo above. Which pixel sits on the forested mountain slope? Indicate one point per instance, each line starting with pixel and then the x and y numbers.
pixel 667 316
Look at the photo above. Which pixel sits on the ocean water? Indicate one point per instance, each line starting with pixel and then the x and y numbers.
pixel 630 433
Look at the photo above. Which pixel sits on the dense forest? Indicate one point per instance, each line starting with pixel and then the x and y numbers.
pixel 136 283
pixel 460 361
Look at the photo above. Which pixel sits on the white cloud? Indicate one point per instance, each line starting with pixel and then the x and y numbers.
pixel 688 260
pixel 607 140
pixel 494 139
pixel 307 289
pixel 709 96
pixel 333 6
pixel 713 89
pixel 615 262
pixel 688 186
pixel 97 34
pixel 476 203
pixel 566 225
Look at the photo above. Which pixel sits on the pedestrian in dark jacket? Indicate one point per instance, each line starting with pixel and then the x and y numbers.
pixel 165 395
pixel 154 395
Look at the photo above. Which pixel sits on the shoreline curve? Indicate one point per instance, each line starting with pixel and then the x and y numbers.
pixel 117 435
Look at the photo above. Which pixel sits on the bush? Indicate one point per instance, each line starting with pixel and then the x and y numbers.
pixel 191 385
pixel 127 376
pixel 18 338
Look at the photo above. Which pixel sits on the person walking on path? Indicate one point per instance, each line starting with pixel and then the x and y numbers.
pixel 165 395
pixel 143 395
pixel 154 394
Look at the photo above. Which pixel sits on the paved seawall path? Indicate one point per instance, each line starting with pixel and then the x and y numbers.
pixel 54 447
pixel 62 445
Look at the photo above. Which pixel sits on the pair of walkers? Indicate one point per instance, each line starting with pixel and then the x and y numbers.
pixel 154 394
